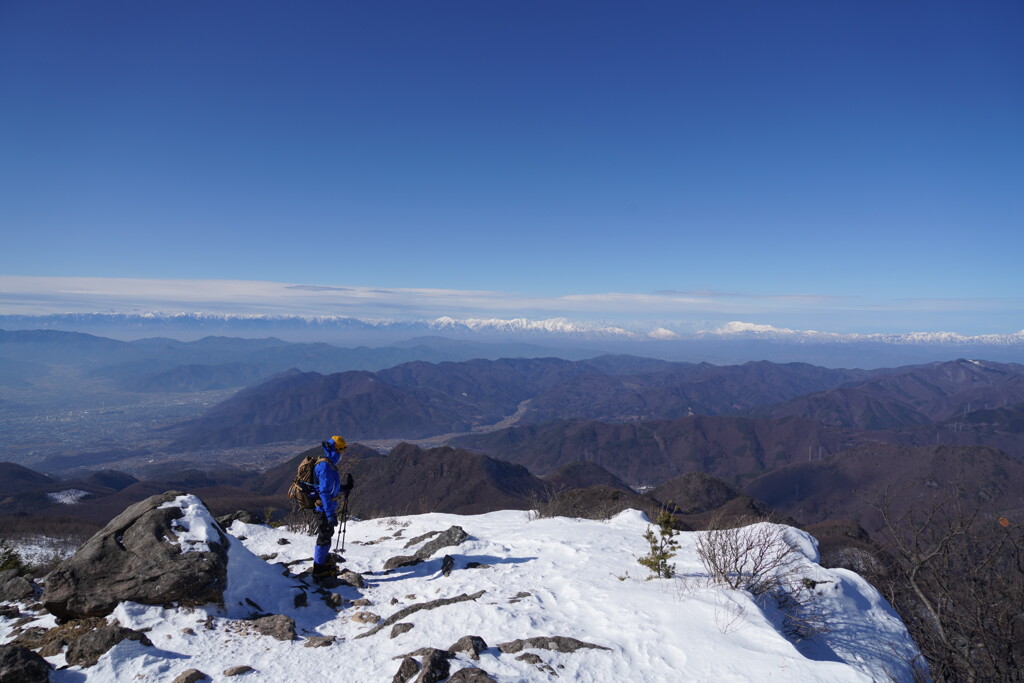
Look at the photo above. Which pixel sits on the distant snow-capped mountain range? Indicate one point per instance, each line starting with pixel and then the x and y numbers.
pixel 552 329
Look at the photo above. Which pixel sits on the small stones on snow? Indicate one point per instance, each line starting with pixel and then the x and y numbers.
pixel 191 676
pixel 278 626
pixel 365 618
pixel 447 564
pixel 531 658
pixel 351 578
pixel 419 539
pixel 283 541
pixel 557 643
pixel 238 670
pixel 473 645
pixel 334 600
pixel 519 596
pixel 300 600
pixel 401 561
pixel 319 641
pixel 9 611
pixel 401 628
pixel 362 602
pixel 477 565
pixel 471 675
pixel 188 631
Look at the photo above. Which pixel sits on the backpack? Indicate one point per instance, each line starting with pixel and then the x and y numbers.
pixel 304 496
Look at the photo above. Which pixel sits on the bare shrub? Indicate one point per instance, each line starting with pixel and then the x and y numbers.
pixel 749 558
pixel 760 560
pixel 956 577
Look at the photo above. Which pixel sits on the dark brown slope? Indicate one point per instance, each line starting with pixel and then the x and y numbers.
pixel 411 480
pixel 294 406
pixel 420 399
pixel 691 390
pixel 17 479
pixel 647 453
pixel 837 487
pixel 579 475
pixel 911 396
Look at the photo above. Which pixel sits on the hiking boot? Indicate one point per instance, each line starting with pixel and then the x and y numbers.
pixel 324 571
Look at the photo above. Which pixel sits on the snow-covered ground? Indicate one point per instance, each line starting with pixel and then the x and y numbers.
pixel 544 577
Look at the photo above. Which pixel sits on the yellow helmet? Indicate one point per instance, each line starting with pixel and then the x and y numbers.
pixel 339 443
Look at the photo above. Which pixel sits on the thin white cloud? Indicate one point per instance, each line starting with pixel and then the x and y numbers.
pixel 671 309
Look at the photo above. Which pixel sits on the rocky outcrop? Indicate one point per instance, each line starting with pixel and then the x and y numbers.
pixel 144 555
pixel 278 626
pixel 471 645
pixel 557 643
pixel 451 536
pixel 14 587
pixel 471 675
pixel 89 647
pixel 21 665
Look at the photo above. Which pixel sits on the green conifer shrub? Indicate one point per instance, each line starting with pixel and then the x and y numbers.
pixel 663 547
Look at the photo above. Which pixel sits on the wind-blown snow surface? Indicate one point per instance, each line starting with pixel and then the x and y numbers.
pixel 582 581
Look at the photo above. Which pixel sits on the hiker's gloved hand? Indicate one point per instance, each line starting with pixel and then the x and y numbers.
pixel 347 486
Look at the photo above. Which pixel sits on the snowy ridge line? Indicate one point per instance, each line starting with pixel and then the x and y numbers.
pixel 550 327
pixel 570 591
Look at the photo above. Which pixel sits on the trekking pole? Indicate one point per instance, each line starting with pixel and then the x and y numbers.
pixel 343 529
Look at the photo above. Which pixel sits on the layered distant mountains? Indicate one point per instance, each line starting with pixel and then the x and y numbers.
pixel 670 417
pixel 162 365
pixel 616 429
pixel 417 400
pixel 724 344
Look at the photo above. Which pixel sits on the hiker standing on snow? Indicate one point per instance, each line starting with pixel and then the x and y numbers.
pixel 328 485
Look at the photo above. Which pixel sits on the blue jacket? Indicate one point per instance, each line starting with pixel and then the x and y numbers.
pixel 328 483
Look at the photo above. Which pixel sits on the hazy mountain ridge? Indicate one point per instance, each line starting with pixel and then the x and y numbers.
pixel 558 326
pixel 911 396
pixel 417 400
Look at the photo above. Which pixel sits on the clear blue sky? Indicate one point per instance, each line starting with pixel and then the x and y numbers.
pixel 872 151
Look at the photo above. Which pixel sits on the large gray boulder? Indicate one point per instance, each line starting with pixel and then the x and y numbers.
pixel 14 587
pixel 144 555
pixel 21 665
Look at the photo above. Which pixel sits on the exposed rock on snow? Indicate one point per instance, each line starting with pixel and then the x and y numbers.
pixel 14 587
pixel 435 666
pixel 449 537
pixel 406 670
pixel 319 641
pixel 276 626
pixel 400 628
pixel 470 675
pixel 238 670
pixel 161 550
pixel 557 643
pixel 87 649
pixel 472 645
pixel 406 611
pixel 191 676
pixel 21 665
